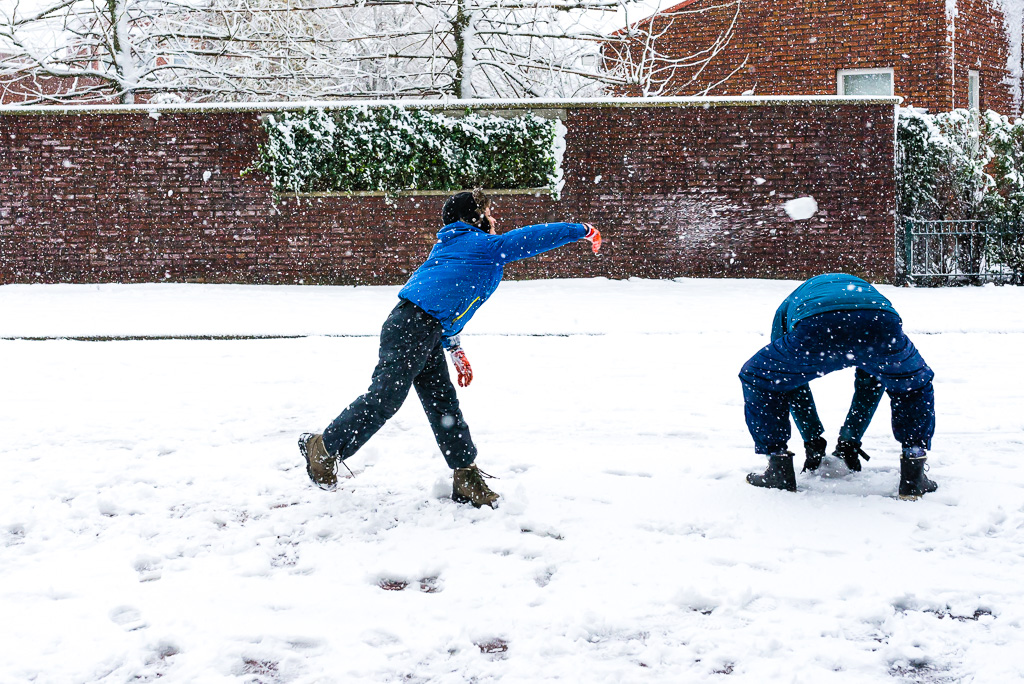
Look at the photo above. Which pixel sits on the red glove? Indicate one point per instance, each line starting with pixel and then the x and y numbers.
pixel 593 236
pixel 462 366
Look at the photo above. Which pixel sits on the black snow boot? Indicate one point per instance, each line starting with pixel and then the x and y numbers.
pixel 468 486
pixel 779 475
pixel 849 450
pixel 913 482
pixel 814 451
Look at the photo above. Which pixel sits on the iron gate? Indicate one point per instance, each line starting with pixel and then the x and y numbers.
pixel 961 252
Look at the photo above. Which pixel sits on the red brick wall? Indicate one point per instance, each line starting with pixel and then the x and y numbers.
pixel 121 197
pixel 795 47
pixel 977 43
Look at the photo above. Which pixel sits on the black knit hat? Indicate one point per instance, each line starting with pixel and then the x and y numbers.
pixel 467 207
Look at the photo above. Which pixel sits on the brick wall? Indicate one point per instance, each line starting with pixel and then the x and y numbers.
pixel 795 47
pixel 677 188
pixel 979 43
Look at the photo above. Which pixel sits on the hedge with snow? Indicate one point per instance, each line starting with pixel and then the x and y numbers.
pixel 964 165
pixel 392 149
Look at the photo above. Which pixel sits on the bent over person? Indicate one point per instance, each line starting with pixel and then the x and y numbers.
pixel 462 271
pixel 830 322
pixel 867 393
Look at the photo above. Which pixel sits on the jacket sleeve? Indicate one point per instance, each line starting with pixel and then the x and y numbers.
pixel 529 241
pixel 867 393
pixel 779 323
pixel 805 415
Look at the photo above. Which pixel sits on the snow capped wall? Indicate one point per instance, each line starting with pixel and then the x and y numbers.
pixel 678 188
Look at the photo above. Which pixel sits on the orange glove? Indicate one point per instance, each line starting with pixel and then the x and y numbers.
pixel 462 366
pixel 594 236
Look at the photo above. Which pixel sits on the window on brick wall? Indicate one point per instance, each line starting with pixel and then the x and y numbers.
pixel 973 90
pixel 864 82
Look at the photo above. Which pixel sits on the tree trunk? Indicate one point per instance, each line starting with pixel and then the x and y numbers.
pixel 462 28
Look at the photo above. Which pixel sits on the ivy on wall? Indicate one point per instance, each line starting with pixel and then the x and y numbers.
pixel 392 149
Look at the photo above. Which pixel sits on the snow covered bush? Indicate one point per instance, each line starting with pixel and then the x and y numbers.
pixel 393 149
pixel 941 165
pixel 1006 203
pixel 964 165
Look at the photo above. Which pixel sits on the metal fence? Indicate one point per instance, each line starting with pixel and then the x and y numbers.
pixel 937 253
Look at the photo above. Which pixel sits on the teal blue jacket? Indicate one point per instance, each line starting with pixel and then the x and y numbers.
pixel 825 293
pixel 821 294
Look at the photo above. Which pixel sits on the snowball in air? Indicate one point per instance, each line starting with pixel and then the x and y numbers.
pixel 801 208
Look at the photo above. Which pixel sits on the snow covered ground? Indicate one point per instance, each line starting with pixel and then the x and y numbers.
pixel 156 522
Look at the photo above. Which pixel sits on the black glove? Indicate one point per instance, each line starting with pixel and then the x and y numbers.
pixel 814 451
pixel 849 450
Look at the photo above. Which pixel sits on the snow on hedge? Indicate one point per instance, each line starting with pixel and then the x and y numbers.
pixel 964 165
pixel 393 149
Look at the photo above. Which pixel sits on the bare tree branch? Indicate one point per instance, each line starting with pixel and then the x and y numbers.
pixel 114 50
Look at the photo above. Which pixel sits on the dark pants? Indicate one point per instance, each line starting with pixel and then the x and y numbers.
pixel 871 340
pixel 410 356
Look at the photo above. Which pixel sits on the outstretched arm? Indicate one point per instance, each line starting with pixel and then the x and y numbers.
pixel 805 414
pixel 529 241
pixel 867 392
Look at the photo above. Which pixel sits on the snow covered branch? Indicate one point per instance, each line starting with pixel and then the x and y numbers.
pixel 224 50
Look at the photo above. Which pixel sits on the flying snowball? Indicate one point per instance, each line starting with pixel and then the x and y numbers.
pixel 801 208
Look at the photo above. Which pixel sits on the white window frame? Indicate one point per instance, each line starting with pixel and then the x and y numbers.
pixel 840 73
pixel 974 89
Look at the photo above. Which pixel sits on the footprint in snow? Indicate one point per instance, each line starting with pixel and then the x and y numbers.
pixel 626 473
pixel 428 585
pixel 128 617
pixel 495 647
pixel 148 568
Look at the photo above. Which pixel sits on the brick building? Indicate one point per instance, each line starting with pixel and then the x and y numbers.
pixel 936 54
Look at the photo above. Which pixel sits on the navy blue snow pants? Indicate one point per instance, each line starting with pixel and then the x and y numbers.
pixel 871 340
pixel 410 356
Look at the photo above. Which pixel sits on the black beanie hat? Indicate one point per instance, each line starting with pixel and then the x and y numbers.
pixel 463 206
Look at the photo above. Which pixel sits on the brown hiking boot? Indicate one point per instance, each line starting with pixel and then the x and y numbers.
pixel 468 486
pixel 321 467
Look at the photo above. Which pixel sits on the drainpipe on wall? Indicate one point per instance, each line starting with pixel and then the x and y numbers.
pixel 1020 74
pixel 951 13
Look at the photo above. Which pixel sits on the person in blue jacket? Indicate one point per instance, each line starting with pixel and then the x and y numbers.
pixel 462 271
pixel 867 393
pixel 835 321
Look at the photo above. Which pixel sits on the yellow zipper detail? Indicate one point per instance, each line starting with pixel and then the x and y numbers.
pixel 466 311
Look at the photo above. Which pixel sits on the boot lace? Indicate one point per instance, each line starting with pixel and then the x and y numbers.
pixel 342 462
pixel 473 484
pixel 475 477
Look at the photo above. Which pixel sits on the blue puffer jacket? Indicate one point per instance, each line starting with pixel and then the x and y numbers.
pixel 824 293
pixel 466 265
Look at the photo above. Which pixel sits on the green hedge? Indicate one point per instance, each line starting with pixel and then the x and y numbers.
pixel 964 165
pixel 392 149
pixel 960 165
